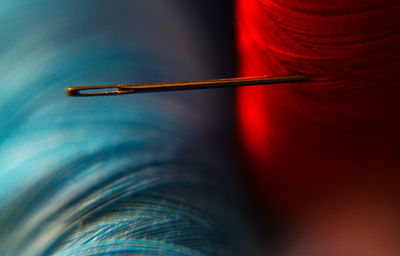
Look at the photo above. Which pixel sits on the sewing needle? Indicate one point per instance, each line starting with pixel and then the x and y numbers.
pixel 103 90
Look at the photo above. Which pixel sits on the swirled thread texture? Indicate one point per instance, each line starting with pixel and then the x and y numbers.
pixel 134 175
pixel 344 122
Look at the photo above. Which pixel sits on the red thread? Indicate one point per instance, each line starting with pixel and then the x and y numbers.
pixel 345 121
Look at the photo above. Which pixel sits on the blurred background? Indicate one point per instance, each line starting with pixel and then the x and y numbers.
pixel 158 173
pixel 149 174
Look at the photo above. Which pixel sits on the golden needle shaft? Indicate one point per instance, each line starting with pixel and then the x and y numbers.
pixel 158 87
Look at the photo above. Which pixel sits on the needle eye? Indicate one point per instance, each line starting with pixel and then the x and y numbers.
pixel 98 91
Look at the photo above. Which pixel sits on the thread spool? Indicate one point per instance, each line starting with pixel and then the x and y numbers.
pixel 341 128
pixel 111 175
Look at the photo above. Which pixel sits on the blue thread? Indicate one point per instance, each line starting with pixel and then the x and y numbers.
pixel 143 174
